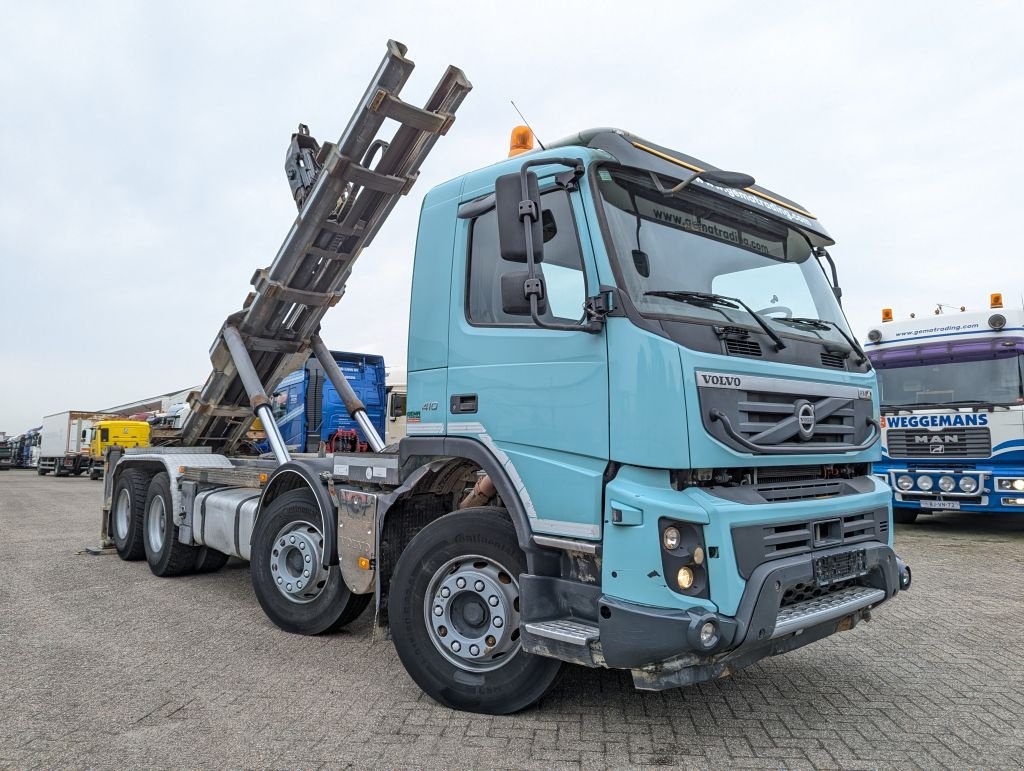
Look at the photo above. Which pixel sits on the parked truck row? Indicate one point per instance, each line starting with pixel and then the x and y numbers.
pixel 639 430
pixel 307 406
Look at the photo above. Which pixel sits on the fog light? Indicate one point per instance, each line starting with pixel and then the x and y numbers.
pixel 708 634
pixel 698 555
pixel 904 481
pixel 946 484
pixel 968 484
pixel 684 578
pixel 670 538
pixel 924 483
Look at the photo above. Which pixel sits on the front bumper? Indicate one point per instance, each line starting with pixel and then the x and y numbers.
pixel 664 647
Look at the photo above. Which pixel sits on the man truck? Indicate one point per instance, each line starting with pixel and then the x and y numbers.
pixel 639 432
pixel 952 387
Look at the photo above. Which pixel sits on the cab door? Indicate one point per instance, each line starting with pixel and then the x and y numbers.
pixel 538 398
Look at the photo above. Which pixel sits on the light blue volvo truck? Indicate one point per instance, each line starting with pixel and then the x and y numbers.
pixel 639 429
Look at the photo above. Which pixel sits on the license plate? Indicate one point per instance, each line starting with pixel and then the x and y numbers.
pixel 839 567
pixel 953 505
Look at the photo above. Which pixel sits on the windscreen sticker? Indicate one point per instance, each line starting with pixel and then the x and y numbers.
pixel 710 229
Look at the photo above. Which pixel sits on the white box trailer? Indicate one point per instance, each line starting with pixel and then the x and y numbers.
pixel 64 448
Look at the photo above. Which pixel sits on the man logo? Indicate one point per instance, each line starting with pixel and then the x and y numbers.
pixel 805 419
pixel 937 449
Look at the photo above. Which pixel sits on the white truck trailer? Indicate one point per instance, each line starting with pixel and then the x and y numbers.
pixel 64 448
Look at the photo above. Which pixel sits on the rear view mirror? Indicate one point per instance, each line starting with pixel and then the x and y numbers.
pixel 508 200
pixel 514 301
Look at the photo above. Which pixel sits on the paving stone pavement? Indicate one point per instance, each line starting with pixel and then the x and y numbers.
pixel 103 665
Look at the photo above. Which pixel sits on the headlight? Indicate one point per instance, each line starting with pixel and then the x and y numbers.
pixel 904 481
pixel 968 484
pixel 924 483
pixel 684 578
pixel 670 538
pixel 946 484
pixel 1010 484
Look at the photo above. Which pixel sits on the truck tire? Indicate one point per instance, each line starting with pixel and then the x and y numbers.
pixel 904 516
pixel 40 471
pixel 129 502
pixel 286 565
pixel 166 555
pixel 454 615
pixel 209 560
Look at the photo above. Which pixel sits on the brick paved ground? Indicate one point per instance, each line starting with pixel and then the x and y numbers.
pixel 105 665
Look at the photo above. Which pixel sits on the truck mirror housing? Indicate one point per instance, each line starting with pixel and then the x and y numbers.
pixel 512 209
pixel 514 301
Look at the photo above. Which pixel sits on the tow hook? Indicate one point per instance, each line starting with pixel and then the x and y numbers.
pixel 904 571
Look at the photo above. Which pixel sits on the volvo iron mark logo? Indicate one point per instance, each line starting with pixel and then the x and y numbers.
pixel 805 419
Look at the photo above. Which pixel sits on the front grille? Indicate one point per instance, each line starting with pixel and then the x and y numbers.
pixel 783 415
pixel 800 491
pixel 759 413
pixel 834 360
pixel 966 442
pixel 742 347
pixel 756 544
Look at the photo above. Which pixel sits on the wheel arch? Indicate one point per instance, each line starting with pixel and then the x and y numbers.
pixel 297 475
pixel 438 465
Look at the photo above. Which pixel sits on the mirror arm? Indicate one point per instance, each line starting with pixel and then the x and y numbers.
pixel 821 251
pixel 529 213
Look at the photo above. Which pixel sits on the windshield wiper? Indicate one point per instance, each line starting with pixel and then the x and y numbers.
pixel 825 324
pixel 707 299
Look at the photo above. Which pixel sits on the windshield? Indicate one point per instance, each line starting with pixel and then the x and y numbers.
pixel 692 242
pixel 954 383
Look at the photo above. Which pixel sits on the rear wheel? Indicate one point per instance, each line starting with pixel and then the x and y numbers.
pixel 454 615
pixel 294 589
pixel 904 516
pixel 126 514
pixel 166 555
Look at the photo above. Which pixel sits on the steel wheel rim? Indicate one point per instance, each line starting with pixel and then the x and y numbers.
pixel 471 609
pixel 156 524
pixel 122 514
pixel 296 562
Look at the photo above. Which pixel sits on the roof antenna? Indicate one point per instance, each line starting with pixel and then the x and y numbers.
pixel 542 147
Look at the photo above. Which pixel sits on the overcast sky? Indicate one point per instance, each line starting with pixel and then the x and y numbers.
pixel 141 151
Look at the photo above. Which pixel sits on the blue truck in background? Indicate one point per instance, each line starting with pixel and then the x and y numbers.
pixel 308 409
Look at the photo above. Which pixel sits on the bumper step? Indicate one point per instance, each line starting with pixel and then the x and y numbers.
pixel 821 609
pixel 564 630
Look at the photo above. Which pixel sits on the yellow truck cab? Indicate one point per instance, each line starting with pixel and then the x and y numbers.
pixel 114 433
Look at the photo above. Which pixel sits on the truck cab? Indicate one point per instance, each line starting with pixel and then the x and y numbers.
pixel 686 416
pixel 104 434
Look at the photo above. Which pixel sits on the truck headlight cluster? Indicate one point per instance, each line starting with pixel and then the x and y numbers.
pixel 683 557
pixel 1017 485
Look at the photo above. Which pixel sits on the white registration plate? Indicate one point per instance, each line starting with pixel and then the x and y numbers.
pixel 940 505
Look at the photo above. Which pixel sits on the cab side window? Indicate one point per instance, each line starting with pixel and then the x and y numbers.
pixel 562 267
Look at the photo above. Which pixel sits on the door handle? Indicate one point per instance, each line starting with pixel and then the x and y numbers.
pixel 463 404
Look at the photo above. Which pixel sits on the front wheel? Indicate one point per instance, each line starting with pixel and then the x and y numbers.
pixel 293 587
pixel 454 615
pixel 904 516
